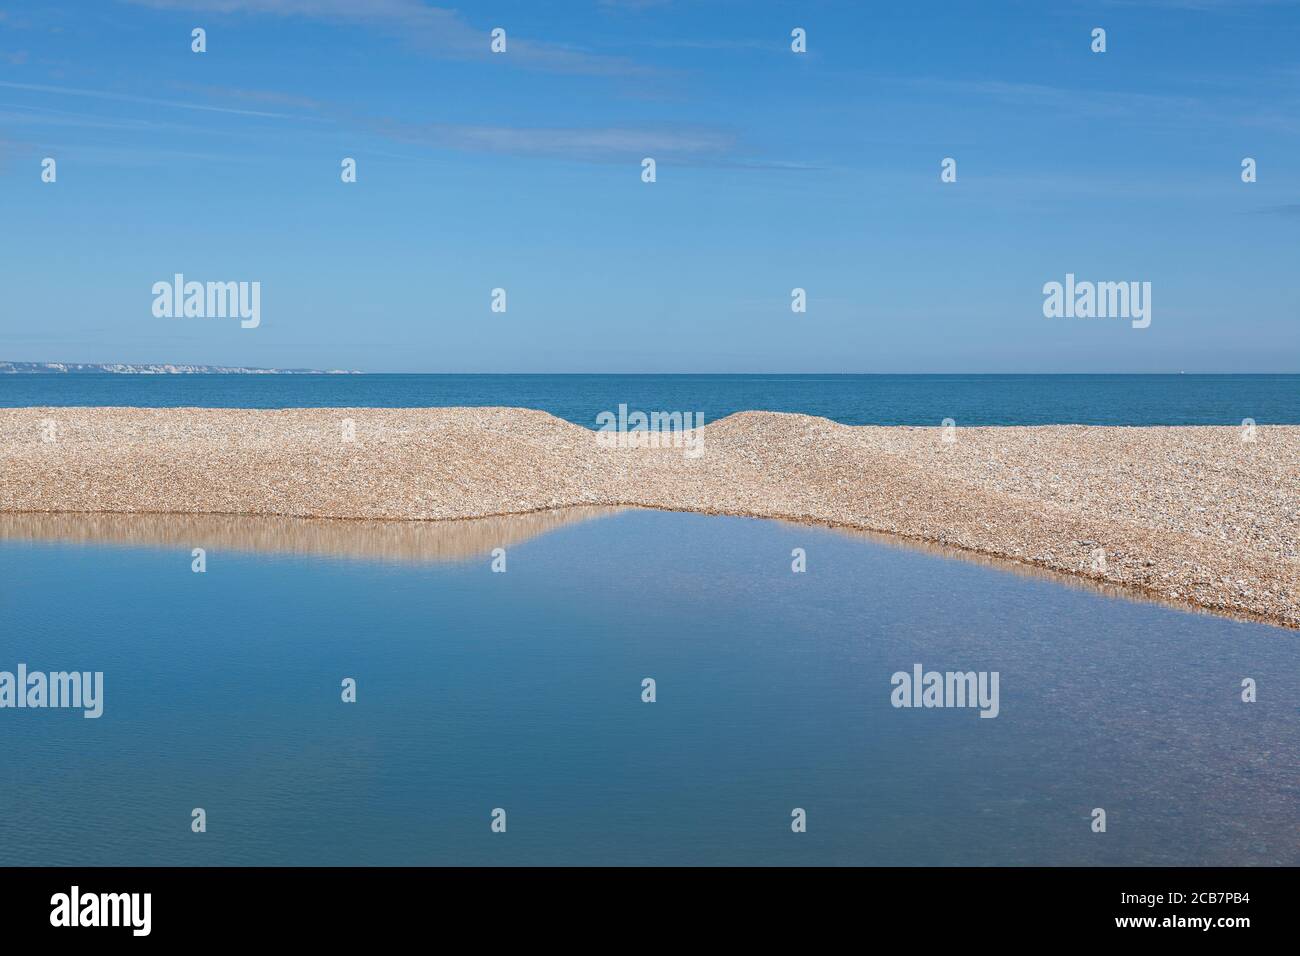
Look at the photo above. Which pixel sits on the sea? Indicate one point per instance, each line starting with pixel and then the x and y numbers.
pixel 968 400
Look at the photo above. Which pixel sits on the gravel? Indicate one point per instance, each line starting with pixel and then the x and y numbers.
pixel 1188 514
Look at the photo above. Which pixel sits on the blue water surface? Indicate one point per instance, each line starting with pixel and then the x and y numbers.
pixel 522 690
pixel 849 399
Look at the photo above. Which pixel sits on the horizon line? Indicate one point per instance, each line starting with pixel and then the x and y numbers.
pixel 208 368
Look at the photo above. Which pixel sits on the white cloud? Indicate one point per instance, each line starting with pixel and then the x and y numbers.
pixel 434 30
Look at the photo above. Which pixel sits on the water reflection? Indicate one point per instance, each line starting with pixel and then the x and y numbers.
pixel 397 541
pixel 451 540
pixel 1094 585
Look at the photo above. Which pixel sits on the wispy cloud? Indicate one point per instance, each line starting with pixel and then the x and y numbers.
pixel 436 31
pixel 683 145
pixel 264 97
pixel 18 114
pixel 145 100
pixel 1142 107
pixel 715 43
pixel 634 4
pixel 600 145
pixel 1290 210
pixel 98 155
pixel 1062 99
pixel 1202 5
pixel 686 144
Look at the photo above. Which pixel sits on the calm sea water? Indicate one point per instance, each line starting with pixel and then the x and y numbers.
pixel 850 399
pixel 522 690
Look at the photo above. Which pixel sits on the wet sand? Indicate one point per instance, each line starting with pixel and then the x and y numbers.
pixel 1193 515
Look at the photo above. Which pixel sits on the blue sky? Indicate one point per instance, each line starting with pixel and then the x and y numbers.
pixel 775 170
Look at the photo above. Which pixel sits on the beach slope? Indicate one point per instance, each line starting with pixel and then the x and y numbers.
pixel 1191 514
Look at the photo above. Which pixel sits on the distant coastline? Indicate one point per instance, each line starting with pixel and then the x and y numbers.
pixel 118 368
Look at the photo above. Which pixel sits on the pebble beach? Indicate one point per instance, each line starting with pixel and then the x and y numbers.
pixel 1194 515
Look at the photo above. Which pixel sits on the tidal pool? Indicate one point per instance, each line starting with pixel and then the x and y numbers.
pixel 478 690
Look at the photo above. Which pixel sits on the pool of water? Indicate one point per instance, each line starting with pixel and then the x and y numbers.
pixel 522 690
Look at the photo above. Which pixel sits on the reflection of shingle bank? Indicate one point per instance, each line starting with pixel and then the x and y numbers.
pixel 397 541
pixel 1196 515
